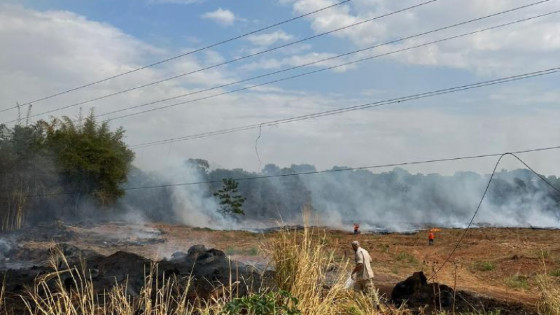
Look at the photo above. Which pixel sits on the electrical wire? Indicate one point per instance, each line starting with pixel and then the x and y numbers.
pixel 180 55
pixel 345 169
pixel 295 67
pixel 355 108
pixel 482 199
pixel 301 74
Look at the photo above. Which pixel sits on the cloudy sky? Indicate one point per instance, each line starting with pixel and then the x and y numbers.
pixel 50 46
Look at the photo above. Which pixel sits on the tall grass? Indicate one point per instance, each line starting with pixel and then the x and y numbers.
pixel 307 270
pixel 307 279
pixel 549 302
pixel 69 291
pixel 12 215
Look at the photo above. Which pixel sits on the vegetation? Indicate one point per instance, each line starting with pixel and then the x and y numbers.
pixel 485 266
pixel 310 292
pixel 231 202
pixel 555 273
pixel 549 302
pixel 517 282
pixel 70 163
pixel 405 257
pixel 91 159
pixel 281 303
pixel 349 193
pixel 301 261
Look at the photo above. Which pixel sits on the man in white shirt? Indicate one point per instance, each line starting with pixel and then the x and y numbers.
pixel 362 273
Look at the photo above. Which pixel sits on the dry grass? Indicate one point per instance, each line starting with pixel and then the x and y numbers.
pixel 68 291
pixel 301 259
pixel 549 302
pixel 307 270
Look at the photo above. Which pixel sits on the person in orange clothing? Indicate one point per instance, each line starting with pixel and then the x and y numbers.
pixel 431 237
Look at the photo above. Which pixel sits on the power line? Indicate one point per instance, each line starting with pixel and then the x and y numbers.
pixel 472 219
pixel 306 73
pixel 346 169
pixel 482 199
pixel 235 59
pixel 356 107
pixel 183 54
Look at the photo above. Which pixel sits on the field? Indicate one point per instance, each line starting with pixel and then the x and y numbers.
pixel 501 264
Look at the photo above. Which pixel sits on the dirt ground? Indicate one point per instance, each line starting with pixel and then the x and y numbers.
pixel 497 263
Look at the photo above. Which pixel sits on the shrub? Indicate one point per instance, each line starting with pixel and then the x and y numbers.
pixel 555 273
pixel 281 303
pixel 549 301
pixel 485 266
pixel 406 258
pixel 517 282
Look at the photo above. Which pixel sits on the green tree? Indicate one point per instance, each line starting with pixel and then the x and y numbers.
pixel 25 169
pixel 231 202
pixel 92 160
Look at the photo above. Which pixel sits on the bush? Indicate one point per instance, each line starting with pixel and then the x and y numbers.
pixel 406 258
pixel 485 266
pixel 549 302
pixel 517 282
pixel 555 273
pixel 281 303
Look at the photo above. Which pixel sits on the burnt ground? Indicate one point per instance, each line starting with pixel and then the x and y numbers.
pixel 494 268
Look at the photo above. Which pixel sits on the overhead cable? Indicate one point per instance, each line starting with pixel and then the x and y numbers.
pixel 356 107
pixel 466 230
pixel 181 55
pixel 222 63
pixel 335 170
pixel 301 74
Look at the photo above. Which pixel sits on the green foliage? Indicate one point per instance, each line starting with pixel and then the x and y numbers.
pixel 271 303
pixel 384 248
pixel 61 159
pixel 230 200
pixel 517 282
pixel 91 159
pixel 230 251
pixel 484 266
pixel 253 251
pixel 25 169
pixel 406 258
pixel 555 273
pixel 544 253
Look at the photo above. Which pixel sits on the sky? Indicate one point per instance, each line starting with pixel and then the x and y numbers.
pixel 50 46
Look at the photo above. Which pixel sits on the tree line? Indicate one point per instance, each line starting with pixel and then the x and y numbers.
pixel 52 169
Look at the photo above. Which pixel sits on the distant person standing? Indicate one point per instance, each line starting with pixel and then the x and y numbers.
pixel 356 228
pixel 362 273
pixel 431 237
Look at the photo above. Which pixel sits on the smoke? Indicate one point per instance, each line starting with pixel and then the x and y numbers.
pixel 192 205
pixel 399 201
pixel 390 201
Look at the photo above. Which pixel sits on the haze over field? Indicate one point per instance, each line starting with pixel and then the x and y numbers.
pixel 395 200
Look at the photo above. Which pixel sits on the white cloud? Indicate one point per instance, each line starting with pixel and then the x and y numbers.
pixel 52 51
pixel 221 16
pixel 312 58
pixel 269 38
pixel 507 50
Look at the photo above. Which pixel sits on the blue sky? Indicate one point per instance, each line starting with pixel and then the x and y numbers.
pixel 56 45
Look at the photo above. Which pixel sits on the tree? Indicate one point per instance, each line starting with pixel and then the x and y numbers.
pixel 25 169
pixel 230 200
pixel 47 168
pixel 92 160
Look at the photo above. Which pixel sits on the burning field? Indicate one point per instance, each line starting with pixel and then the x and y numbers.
pixel 494 269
